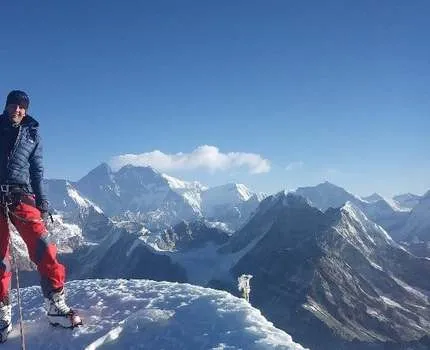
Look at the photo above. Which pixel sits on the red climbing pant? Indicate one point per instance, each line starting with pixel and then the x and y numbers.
pixel 27 220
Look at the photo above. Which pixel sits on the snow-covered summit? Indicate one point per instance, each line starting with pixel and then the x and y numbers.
pixel 374 197
pixel 268 211
pixel 229 193
pixel 176 183
pixel 143 314
pixel 380 210
pixel 146 195
pixel 326 195
pixel 354 221
pixel 417 225
pixel 64 196
pixel 191 191
pixel 141 192
pixel 407 200
pixel 232 204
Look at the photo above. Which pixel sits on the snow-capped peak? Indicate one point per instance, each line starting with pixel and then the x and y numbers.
pixel 229 193
pixel 376 199
pixel 364 223
pixel 244 191
pixel 327 195
pixel 373 198
pixel 407 200
pixel 81 201
pixel 177 184
pixel 289 199
pixel 418 222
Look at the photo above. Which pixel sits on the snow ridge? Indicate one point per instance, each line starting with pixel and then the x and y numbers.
pixel 131 314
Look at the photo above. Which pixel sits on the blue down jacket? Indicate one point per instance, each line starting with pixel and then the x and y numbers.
pixel 23 164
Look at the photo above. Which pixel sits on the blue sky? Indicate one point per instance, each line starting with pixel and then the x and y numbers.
pixel 273 94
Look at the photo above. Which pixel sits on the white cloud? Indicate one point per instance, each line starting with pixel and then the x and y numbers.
pixel 203 157
pixel 294 166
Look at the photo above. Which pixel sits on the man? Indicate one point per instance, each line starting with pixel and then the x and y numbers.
pixel 24 203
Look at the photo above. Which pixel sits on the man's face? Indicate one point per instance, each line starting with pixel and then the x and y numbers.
pixel 15 112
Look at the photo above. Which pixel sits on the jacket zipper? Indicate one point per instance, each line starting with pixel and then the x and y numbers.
pixel 12 152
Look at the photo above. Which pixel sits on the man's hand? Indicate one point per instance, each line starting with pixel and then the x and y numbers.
pixel 47 218
pixel 44 211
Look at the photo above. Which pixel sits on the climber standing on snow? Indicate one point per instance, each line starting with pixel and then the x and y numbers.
pixel 22 198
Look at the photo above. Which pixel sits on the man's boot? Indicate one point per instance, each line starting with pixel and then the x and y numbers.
pixel 59 314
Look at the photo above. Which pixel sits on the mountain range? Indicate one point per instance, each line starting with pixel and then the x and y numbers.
pixel 334 279
pixel 332 269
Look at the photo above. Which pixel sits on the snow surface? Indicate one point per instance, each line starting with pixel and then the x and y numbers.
pixel 142 314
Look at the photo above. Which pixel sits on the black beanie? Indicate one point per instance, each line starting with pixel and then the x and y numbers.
pixel 17 97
